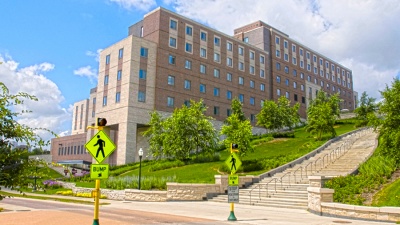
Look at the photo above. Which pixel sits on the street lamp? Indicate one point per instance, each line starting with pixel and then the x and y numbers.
pixel 140 164
pixel 36 167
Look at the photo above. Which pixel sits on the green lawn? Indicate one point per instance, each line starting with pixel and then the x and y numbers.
pixel 388 196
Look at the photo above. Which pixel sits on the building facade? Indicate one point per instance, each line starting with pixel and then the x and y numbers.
pixel 167 60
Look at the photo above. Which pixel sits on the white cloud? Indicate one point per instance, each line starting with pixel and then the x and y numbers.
pixel 96 54
pixel 143 5
pixel 363 35
pixel 47 111
pixel 87 71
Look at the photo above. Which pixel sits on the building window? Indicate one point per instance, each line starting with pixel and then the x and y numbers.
pixel 252 101
pixel 252 84
pixel 294 60
pixel 287 82
pixel 216 73
pixel 217 41
pixel 203 69
pixel 287 95
pixel 252 118
pixel 321 62
pixel 187 84
pixel 188 64
pixel 309 78
pixel 173 24
pixel 104 100
pixel 144 52
pixel 172 42
pixel 286 69
pixel 119 74
pixel 252 70
pixel 202 88
pixel 246 39
pixel 262 59
pixel 295 97
pixel 327 65
pixel 229 95
pixel 308 67
pixel 229 77
pixel 301 63
pixel 301 51
pixel 216 92
pixel 285 44
pixel 186 103
pixel 120 53
pixel 228 112
pixel 216 57
pixel 262 87
pixel 294 48
pixel 286 57
pixel 333 78
pixel 170 101
pixel 302 87
pixel 315 70
pixel 106 80
pixel 278 92
pixel 241 50
pixel 262 73
pixel 294 72
pixel 303 100
pixel 171 80
pixel 107 59
pixel 203 36
pixel 229 62
pixel 278 66
pixel 241 66
pixel 241 98
pixel 277 41
pixel 142 74
pixel 216 110
pixel 278 53
pixel 117 97
pixel 294 85
pixel 188 47
pixel 302 75
pixel 321 73
pixel 314 58
pixel 171 59
pixel 189 30
pixel 252 55
pixel 203 52
pixel 229 46
pixel 308 55
pixel 278 79
pixel 241 80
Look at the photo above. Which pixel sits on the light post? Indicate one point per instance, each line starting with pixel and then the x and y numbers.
pixel 34 185
pixel 140 164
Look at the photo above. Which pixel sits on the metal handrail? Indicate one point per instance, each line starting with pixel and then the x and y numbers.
pixel 307 166
pixel 315 163
pixel 266 185
pixel 283 177
pixel 301 173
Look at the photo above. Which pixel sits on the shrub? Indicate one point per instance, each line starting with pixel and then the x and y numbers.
pixel 132 182
pixel 51 184
pixel 289 134
pixel 166 164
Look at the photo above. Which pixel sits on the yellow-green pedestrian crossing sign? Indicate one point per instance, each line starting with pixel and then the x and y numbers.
pixel 233 162
pixel 99 171
pixel 100 146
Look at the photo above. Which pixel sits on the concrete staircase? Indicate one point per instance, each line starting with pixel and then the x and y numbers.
pixel 288 189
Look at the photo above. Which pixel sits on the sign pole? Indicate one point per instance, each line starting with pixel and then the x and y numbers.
pixel 232 216
pixel 96 203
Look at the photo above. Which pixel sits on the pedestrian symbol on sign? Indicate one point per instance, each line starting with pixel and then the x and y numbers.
pixel 233 161
pixel 101 145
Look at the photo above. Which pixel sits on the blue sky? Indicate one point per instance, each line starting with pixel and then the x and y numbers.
pixel 49 47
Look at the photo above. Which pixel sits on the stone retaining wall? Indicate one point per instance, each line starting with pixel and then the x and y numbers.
pixel 145 196
pixel 320 201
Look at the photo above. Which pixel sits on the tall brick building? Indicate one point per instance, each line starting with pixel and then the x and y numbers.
pixel 168 59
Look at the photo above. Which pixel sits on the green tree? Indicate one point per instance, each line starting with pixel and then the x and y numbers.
pixel 15 167
pixel 390 125
pixel 186 131
pixel 278 115
pixel 322 114
pixel 238 132
pixel 154 134
pixel 367 106
pixel 237 108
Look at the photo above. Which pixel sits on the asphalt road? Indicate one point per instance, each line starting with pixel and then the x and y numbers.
pixel 39 212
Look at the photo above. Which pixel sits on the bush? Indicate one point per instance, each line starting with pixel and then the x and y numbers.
pixel 205 158
pixel 262 140
pixel 165 164
pixel 51 184
pixel 132 182
pixel 289 134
